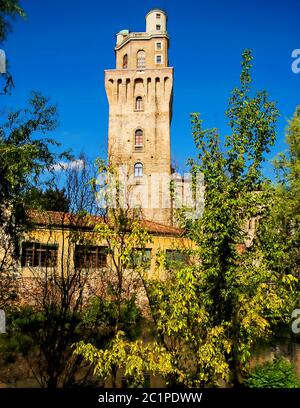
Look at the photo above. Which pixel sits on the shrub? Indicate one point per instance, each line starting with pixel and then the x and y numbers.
pixel 279 373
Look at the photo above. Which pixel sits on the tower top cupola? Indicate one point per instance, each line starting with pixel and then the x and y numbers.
pixel 156 21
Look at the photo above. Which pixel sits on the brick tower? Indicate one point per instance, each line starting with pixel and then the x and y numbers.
pixel 139 93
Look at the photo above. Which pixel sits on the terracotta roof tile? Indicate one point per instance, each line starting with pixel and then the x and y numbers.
pixel 58 219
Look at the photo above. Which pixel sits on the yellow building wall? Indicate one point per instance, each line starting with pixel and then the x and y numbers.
pixel 66 240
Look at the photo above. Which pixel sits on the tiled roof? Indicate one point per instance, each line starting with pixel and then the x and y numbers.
pixel 59 219
pixel 156 227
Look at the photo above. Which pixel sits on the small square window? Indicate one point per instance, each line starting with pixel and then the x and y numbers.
pixel 158 15
pixel 158 59
pixel 158 27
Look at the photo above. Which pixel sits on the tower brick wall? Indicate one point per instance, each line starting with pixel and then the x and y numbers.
pixel 139 93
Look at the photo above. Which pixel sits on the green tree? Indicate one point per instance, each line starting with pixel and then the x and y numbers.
pixel 280 234
pixel 9 9
pixel 210 315
pixel 57 311
pixel 51 199
pixel 120 230
pixel 135 358
pixel 25 155
pixel 76 299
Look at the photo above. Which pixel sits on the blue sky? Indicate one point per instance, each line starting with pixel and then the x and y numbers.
pixel 64 46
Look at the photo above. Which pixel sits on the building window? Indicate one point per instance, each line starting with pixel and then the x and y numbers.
pixel 125 61
pixel 158 27
pixel 158 46
pixel 138 139
pixel 157 15
pixel 90 257
pixel 141 60
pixel 38 255
pixel 176 258
pixel 140 257
pixel 138 170
pixel 158 59
pixel 139 103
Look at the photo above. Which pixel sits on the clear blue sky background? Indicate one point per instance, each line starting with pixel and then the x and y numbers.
pixel 64 46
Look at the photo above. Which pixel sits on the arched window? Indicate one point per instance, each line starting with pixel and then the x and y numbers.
pixel 139 103
pixel 141 60
pixel 138 170
pixel 125 61
pixel 138 139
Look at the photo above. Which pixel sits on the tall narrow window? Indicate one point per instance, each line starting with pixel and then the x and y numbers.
pixel 139 103
pixel 138 139
pixel 158 59
pixel 125 61
pixel 141 60
pixel 138 170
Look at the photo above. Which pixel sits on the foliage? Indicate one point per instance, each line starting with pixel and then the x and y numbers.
pixel 77 301
pixel 198 349
pixel 51 199
pixel 280 234
pixel 8 9
pixel 135 358
pixel 122 233
pixel 44 335
pixel 210 315
pixel 25 154
pixel 120 230
pixel 58 295
pixel 279 373
pixel 103 314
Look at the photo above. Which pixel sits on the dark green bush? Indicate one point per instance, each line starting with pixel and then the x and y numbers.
pixel 279 373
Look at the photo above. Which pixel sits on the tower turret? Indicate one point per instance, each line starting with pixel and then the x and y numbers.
pixel 156 21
